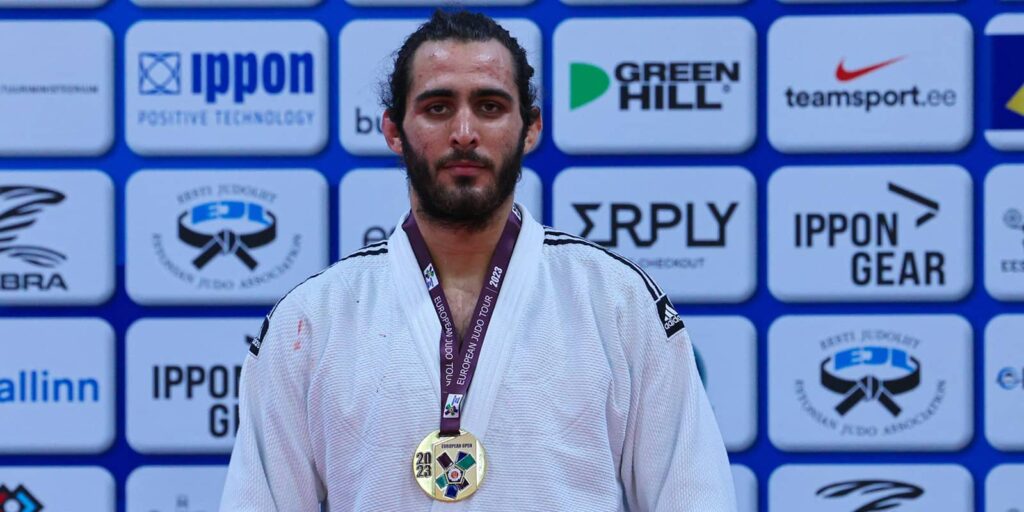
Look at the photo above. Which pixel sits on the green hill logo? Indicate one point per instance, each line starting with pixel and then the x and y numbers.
pixel 587 83
pixel 656 85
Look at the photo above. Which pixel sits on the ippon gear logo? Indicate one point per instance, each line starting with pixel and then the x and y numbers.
pixel 655 86
pixel 878 260
pixel 227 241
pixel 869 387
pixel 234 76
pixel 883 494
pixel 18 500
pixel 21 207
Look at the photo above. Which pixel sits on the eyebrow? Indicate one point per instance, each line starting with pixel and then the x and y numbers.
pixel 479 93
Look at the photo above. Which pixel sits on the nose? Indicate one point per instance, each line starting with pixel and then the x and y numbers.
pixel 464 133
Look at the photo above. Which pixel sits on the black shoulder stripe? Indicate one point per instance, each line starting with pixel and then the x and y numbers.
pixel 652 288
pixel 382 250
pixel 370 250
pixel 651 284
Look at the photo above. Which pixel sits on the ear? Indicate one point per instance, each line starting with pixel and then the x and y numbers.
pixel 391 133
pixel 533 131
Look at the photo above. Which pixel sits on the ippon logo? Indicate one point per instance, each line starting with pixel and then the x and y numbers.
pixel 18 500
pixel 655 85
pixel 228 76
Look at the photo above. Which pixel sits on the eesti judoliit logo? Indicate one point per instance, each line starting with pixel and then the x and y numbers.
pixel 19 500
pixel 655 86
pixel 226 228
pixel 21 208
pixel 869 385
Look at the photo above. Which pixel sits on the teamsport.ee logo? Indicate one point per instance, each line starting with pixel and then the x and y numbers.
pixel 655 86
pixel 18 500
pixel 226 75
pixel 861 86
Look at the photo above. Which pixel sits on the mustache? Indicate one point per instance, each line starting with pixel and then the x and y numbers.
pixel 464 155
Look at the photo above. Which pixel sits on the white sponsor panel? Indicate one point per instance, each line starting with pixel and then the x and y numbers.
pixel 223 237
pixel 870 383
pixel 878 233
pixel 865 487
pixel 372 200
pixel 56 378
pixel 366 49
pixel 1004 382
pixel 693 229
pixel 175 488
pixel 1004 232
pixel 726 349
pixel 1003 488
pixel 870 83
pixel 56 238
pixel 226 87
pixel 57 488
pixel 745 482
pixel 655 85
pixel 57 87
pixel 183 383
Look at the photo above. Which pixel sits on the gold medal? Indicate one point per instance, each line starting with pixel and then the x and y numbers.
pixel 449 468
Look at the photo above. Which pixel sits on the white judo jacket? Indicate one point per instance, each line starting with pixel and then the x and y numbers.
pixel 586 397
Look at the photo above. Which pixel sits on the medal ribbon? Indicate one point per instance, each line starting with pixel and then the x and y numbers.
pixel 459 357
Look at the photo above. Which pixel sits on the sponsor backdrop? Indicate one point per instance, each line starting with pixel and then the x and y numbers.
pixel 831 194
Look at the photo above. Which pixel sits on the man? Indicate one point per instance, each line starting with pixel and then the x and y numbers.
pixel 475 360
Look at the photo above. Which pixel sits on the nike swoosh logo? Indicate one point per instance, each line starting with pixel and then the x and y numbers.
pixel 845 75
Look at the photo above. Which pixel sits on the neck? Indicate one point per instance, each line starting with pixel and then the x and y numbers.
pixel 461 254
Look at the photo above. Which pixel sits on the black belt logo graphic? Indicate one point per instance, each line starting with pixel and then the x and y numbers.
pixel 892 493
pixel 870 387
pixel 226 241
pixel 19 209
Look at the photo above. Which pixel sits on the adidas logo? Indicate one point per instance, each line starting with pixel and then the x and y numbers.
pixel 669 316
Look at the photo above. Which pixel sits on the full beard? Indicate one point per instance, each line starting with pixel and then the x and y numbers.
pixel 460 206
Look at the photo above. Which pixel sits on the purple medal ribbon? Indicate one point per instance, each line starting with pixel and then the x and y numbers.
pixel 459 357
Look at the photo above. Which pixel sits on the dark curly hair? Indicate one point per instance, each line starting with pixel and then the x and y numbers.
pixel 462 26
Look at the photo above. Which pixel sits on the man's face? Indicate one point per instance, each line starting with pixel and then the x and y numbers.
pixel 463 136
